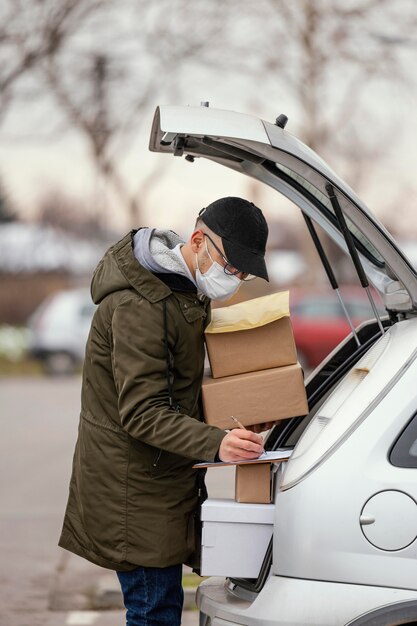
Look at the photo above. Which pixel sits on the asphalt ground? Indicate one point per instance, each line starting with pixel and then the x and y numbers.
pixel 40 584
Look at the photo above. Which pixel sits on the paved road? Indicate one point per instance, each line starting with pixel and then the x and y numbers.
pixel 39 420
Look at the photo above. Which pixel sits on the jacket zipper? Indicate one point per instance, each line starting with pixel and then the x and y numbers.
pixel 157 458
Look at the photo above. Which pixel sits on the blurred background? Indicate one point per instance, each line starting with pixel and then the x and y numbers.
pixel 79 83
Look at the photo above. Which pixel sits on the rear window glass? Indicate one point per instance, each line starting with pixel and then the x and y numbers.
pixel 404 451
pixel 322 199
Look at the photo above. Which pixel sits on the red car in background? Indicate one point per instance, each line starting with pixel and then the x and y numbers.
pixel 319 323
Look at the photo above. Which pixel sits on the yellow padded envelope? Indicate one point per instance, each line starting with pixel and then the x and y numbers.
pixel 250 314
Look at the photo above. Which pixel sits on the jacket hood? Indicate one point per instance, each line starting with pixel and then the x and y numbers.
pixel 119 269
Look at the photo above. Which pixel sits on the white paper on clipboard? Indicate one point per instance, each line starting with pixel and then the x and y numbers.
pixel 272 456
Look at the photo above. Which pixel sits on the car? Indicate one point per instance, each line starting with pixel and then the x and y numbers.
pixel 59 328
pixel 319 321
pixel 343 547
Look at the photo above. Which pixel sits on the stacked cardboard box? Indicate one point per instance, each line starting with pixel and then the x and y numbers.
pixel 254 375
pixel 253 483
pixel 250 350
pixel 255 397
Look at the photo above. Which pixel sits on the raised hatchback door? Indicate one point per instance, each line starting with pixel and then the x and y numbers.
pixel 270 154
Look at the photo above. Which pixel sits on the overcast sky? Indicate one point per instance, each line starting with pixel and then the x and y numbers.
pixel 38 153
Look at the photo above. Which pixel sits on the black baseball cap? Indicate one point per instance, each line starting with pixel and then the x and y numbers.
pixel 243 230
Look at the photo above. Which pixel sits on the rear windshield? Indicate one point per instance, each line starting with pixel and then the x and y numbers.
pixel 323 202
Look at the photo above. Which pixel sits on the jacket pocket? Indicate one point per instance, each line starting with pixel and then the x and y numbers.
pixel 168 465
pixel 102 422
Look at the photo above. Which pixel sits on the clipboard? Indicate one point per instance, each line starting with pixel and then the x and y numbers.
pixel 272 456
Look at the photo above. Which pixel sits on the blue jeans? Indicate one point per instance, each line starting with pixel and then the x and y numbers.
pixel 153 596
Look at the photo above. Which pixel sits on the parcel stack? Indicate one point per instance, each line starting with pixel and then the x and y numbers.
pixel 254 376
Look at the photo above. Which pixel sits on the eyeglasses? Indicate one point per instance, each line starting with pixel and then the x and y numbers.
pixel 228 268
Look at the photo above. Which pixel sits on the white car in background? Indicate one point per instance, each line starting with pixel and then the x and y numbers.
pixel 59 328
pixel 344 545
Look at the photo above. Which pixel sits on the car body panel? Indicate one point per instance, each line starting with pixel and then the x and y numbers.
pixel 335 494
pixel 204 121
pixel 295 602
pixel 355 399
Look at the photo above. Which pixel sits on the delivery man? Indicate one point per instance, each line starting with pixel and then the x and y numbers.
pixel 134 495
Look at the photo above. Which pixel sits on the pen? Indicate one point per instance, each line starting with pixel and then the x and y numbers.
pixel 236 421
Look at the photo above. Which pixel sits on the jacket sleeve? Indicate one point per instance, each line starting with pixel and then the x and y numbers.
pixel 139 367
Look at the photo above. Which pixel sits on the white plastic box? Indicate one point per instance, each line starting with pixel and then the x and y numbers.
pixel 235 537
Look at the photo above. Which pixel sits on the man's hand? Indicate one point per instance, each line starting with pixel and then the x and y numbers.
pixel 241 445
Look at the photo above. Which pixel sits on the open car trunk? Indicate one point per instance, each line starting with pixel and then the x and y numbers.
pixel 319 385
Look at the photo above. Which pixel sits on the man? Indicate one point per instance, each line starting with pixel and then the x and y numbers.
pixel 134 496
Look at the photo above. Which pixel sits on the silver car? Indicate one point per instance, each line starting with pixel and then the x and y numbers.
pixel 59 328
pixel 344 535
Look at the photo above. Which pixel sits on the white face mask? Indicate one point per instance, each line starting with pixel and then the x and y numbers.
pixel 215 284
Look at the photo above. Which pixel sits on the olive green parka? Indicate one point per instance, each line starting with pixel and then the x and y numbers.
pixel 133 493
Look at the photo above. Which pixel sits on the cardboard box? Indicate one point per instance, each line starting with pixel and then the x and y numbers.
pixel 253 483
pixel 261 348
pixel 235 537
pixel 265 396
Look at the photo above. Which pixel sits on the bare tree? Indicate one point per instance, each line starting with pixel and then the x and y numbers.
pixel 32 31
pixel 70 214
pixel 104 64
pixel 327 57
pixel 105 83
